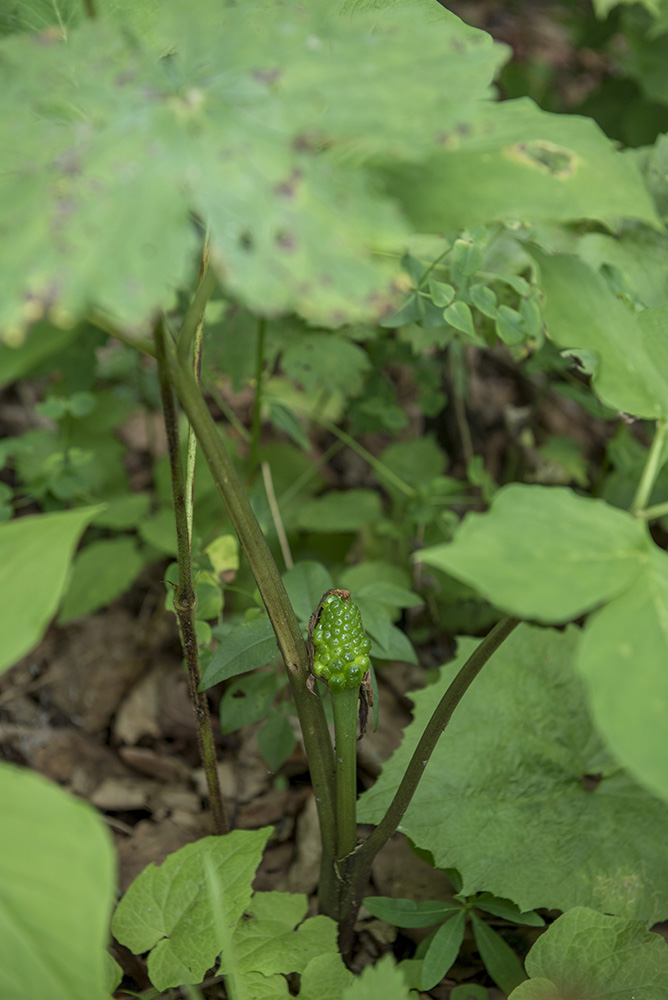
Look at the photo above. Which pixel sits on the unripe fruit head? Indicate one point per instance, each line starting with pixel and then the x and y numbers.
pixel 340 644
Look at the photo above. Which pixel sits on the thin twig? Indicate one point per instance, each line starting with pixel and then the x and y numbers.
pixel 276 514
pixel 184 594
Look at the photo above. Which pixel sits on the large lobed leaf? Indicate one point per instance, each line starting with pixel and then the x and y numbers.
pixel 582 311
pixel 257 119
pixel 520 794
pixel 591 956
pixel 623 657
pixel 544 553
pixel 516 162
pixel 185 910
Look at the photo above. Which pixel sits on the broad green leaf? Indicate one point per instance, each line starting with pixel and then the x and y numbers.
pixel 101 572
pixel 159 531
pixel 408 913
pixel 507 910
pixel 42 343
pixel 247 699
pixel 274 935
pixel 276 740
pixel 389 642
pixel 306 583
pixel 623 657
pixel 35 554
pixel 443 950
pixel 581 310
pixel 381 980
pixel 325 978
pixel 518 162
pixel 389 594
pixel 284 420
pixel 171 910
pixel 637 254
pixel 368 573
pixel 322 360
pixel 544 553
pixel 569 828
pixel 57 887
pixel 60 16
pixel 242 648
pixel 417 462
pixel 113 973
pixel 593 955
pixel 469 991
pixel 223 553
pixel 500 960
pixel 124 511
pixel 258 987
pixel 268 127
pixel 345 511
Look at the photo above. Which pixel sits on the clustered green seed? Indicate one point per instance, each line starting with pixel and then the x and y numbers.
pixel 341 647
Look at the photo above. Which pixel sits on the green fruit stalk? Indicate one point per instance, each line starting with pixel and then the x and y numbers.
pixel 340 645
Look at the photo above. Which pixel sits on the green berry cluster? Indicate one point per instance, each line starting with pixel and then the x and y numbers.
pixel 341 647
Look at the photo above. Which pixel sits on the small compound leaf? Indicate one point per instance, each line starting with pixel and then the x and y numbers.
pixel 484 299
pixel 458 315
pixel 510 325
pixel 441 293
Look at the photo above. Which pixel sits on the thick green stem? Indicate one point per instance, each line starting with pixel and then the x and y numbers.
pixel 652 468
pixel 653 513
pixel 358 867
pixel 184 595
pixel 291 644
pixel 344 706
